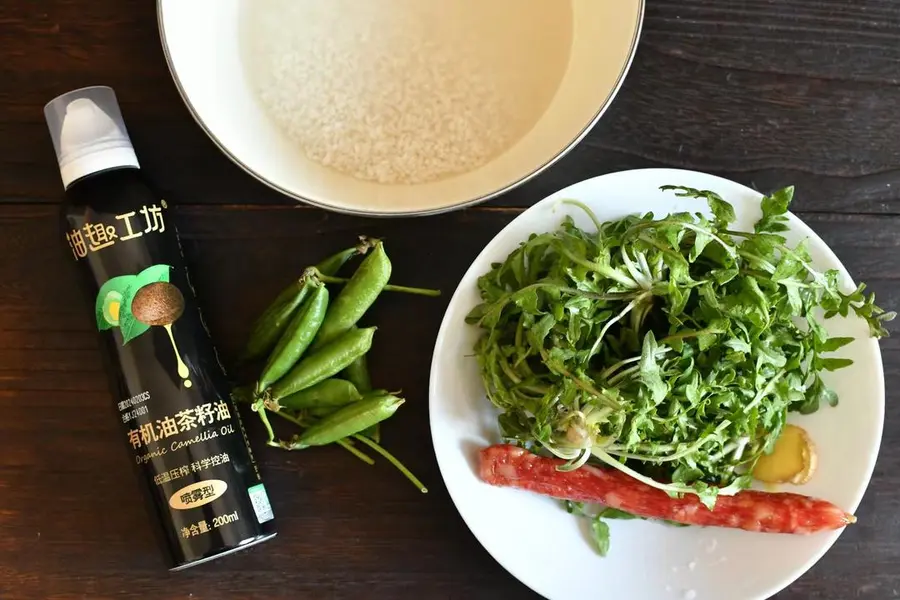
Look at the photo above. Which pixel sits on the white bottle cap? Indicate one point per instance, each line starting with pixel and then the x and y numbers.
pixel 88 133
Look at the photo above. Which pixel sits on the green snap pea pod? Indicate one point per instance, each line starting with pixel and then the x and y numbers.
pixel 331 265
pixel 297 337
pixel 332 394
pixel 267 329
pixel 357 296
pixel 358 373
pixel 325 362
pixel 349 420
pixel 346 444
pixel 322 410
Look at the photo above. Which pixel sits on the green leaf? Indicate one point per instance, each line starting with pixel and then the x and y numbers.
pixel 835 343
pixel 614 513
pixel 686 474
pixel 513 425
pixel 787 268
pixel 757 297
pixel 721 210
pixel 706 341
pixel 576 508
pixel 649 370
pixel 738 345
pixel 679 269
pixel 723 276
pixel 833 364
pixel 581 305
pixel 817 394
pixel 538 332
pixel 774 209
pixel 561 355
pixel 518 266
pixel 692 390
pixel 829 396
pixel 701 240
pixel 678 299
pixel 795 302
pixel 475 315
pixel 527 300
pixel 816 328
pixel 708 494
pixel 600 531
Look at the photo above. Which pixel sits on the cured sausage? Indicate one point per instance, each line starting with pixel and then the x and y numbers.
pixel 512 466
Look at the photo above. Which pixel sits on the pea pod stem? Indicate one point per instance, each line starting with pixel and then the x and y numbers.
pixel 259 408
pixel 390 457
pixel 388 288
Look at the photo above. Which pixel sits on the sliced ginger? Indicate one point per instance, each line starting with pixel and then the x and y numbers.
pixel 792 461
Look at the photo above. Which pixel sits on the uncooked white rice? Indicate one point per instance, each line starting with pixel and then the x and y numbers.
pixel 406 91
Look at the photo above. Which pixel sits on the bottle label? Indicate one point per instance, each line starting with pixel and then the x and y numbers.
pixel 178 419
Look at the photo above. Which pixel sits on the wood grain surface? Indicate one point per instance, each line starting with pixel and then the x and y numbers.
pixel 765 92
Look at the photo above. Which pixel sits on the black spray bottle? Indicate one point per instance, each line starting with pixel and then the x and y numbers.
pixel 172 397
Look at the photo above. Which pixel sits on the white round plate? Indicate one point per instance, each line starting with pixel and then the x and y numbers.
pixel 548 549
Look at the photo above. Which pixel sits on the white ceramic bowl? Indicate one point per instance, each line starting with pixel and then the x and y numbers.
pixel 201 43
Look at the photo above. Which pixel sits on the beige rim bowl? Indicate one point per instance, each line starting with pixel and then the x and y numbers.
pixel 200 40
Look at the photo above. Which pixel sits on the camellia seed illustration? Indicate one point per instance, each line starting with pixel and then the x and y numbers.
pixel 160 304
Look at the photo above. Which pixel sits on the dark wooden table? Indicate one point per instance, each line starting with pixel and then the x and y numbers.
pixel 766 92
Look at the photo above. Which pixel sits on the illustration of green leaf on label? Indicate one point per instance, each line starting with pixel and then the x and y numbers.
pixel 110 298
pixel 153 274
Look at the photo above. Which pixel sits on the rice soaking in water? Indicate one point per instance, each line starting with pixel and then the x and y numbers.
pixel 405 91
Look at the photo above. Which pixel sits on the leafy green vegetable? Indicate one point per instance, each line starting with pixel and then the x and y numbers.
pixel 599 529
pixel 615 513
pixel 601 535
pixel 669 348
